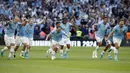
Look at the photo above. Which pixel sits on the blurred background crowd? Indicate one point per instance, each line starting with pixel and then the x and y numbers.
pixel 81 13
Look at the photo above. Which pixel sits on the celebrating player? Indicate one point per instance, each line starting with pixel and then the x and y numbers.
pixel 50 49
pixel 108 44
pixel 100 34
pixel 20 38
pixel 65 26
pixel 56 36
pixel 118 33
pixel 29 30
pixel 9 36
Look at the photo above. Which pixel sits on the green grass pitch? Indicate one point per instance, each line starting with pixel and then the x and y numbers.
pixel 79 61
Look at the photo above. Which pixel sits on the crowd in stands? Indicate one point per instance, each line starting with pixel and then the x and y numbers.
pixel 81 13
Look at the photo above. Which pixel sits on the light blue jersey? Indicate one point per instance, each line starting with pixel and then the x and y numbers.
pixel 101 29
pixel 10 29
pixel 126 27
pixel 29 30
pixel 119 32
pixel 65 28
pixel 20 30
pixel 57 36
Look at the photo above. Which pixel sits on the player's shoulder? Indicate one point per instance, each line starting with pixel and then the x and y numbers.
pixel 117 26
pixel 125 27
pixel 100 22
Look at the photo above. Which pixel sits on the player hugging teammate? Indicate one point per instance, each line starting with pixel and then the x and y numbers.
pixel 24 36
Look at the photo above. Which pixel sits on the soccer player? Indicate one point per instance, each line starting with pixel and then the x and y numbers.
pixel 29 30
pixel 20 38
pixel 118 33
pixel 100 34
pixel 108 44
pixel 56 36
pixel 9 36
pixel 50 49
pixel 65 26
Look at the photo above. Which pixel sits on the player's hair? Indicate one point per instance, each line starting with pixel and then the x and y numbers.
pixel 57 23
pixel 105 17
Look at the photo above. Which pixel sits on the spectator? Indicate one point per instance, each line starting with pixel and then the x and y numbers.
pixel 87 12
pixel 73 31
pixel 91 35
pixel 36 32
pixel 51 28
pixel 84 30
pixel 78 33
pixel 77 21
pixel 42 35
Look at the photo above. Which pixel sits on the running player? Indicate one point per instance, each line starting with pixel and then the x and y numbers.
pixel 100 34
pixel 108 44
pixel 65 26
pixel 9 36
pixel 56 36
pixel 29 30
pixel 20 38
pixel 118 33
pixel 50 49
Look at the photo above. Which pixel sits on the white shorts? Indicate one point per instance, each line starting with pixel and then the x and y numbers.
pixel 9 40
pixel 116 40
pixel 99 39
pixel 20 40
pixel 29 41
pixel 65 41
pixel 53 42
